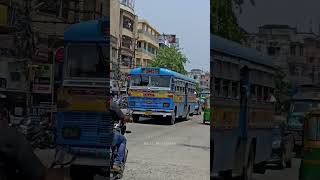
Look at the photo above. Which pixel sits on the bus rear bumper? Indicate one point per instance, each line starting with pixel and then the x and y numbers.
pixel 150 113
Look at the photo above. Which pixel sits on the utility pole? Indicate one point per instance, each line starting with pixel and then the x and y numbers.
pixel 24 43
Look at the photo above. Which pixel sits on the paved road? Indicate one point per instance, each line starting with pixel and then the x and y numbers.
pixel 286 174
pixel 162 152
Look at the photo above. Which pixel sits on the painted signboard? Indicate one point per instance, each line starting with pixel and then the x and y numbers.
pixel 42 79
pixel 82 99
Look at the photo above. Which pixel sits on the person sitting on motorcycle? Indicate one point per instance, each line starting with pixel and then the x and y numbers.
pixel 118 139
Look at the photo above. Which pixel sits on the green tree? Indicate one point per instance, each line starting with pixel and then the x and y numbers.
pixel 170 58
pixel 223 21
pixel 282 87
pixel 198 90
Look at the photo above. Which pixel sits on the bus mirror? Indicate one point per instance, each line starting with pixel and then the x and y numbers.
pixel 272 99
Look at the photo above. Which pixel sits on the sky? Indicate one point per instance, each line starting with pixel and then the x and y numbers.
pixel 296 13
pixel 189 20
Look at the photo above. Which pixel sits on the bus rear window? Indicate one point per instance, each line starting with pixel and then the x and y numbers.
pixel 150 81
pixel 86 61
pixel 160 81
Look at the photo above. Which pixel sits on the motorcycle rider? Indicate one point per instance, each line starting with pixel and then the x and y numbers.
pixel 118 139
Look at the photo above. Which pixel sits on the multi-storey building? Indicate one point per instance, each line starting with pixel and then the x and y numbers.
pixel 168 40
pixel 147 44
pixel 128 31
pixel 115 42
pixel 203 78
pixel 312 58
pixel 44 26
pixel 287 46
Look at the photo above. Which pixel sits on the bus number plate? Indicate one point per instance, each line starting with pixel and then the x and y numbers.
pixel 148 113
pixel 71 133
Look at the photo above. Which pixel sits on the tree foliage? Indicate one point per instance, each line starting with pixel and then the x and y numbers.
pixel 198 89
pixel 223 21
pixel 282 88
pixel 170 58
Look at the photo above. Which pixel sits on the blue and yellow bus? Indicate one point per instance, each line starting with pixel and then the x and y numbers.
pixel 242 109
pixel 159 92
pixel 84 127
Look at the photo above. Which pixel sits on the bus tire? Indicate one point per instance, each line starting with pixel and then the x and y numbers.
pixel 248 170
pixel 172 119
pixel 186 118
pixel 289 163
pixel 135 118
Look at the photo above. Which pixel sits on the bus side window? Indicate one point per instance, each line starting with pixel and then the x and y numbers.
pixel 253 92
pixel 217 91
pixel 234 90
pixel 259 93
pixel 225 88
pixel 266 94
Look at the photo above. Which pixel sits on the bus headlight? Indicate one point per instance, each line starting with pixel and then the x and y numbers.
pixel 276 144
pixel 166 105
pixel 132 103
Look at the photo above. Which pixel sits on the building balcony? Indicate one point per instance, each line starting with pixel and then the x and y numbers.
pixel 127 5
pixel 144 52
pixel 127 32
pixel 297 59
pixel 146 36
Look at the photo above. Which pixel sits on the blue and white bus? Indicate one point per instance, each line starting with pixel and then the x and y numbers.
pixel 159 92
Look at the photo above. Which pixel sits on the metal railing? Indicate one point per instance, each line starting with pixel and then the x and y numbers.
pixel 154 38
pixel 129 3
pixel 145 51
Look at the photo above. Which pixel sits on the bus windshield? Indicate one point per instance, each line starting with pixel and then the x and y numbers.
pixel 86 61
pixel 150 81
pixel 302 106
pixel 313 129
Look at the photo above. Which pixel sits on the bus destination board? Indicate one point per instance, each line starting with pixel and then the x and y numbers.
pixel 150 71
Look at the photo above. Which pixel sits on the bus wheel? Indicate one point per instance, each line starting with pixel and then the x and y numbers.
pixel 135 118
pixel 187 114
pixel 172 119
pixel 248 170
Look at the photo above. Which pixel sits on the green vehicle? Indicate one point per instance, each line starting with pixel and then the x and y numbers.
pixel 308 97
pixel 206 111
pixel 310 161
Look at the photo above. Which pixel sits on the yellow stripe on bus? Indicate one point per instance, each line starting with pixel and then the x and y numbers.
pixel 316 162
pixel 176 98
pixel 312 144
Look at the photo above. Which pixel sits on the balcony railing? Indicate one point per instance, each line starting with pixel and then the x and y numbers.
pixel 128 3
pixel 155 39
pixel 145 51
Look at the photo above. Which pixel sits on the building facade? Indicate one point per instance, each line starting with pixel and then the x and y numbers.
pixel 203 78
pixel 31 42
pixel 168 40
pixel 147 44
pixel 289 49
pixel 128 31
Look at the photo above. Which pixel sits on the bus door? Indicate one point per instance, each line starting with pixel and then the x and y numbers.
pixel 186 99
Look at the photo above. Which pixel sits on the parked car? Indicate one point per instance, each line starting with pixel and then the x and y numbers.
pixel 282 147
pixel 198 108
